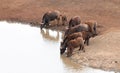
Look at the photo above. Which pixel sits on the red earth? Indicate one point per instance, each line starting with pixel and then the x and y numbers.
pixel 104 50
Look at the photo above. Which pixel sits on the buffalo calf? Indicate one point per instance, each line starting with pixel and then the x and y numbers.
pixel 72 44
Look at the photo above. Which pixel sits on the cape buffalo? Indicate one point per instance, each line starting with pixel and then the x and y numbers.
pixel 77 28
pixel 92 25
pixel 70 37
pixel 89 27
pixel 51 16
pixel 70 45
pixel 74 21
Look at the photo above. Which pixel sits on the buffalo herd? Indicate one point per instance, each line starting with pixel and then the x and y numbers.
pixel 76 35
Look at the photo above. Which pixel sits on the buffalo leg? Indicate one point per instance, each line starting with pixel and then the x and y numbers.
pixel 87 41
pixel 69 52
pixel 83 48
pixel 80 47
pixel 58 21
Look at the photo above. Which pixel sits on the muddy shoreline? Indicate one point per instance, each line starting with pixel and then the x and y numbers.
pixel 102 53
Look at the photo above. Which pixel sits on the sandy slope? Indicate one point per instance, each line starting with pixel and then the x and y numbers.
pixel 105 12
pixel 103 52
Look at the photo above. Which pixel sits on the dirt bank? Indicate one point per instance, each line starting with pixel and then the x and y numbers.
pixel 105 12
pixel 103 51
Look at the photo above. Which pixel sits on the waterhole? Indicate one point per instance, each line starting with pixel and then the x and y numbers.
pixel 26 49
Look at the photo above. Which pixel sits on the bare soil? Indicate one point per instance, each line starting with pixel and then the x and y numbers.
pixel 103 52
pixel 104 49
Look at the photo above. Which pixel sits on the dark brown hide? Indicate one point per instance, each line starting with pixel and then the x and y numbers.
pixel 77 28
pixel 74 21
pixel 92 25
pixel 51 16
pixel 72 44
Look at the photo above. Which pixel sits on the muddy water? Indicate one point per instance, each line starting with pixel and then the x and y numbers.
pixel 25 49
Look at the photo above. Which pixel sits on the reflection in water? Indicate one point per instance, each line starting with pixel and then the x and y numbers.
pixel 23 50
pixel 48 34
